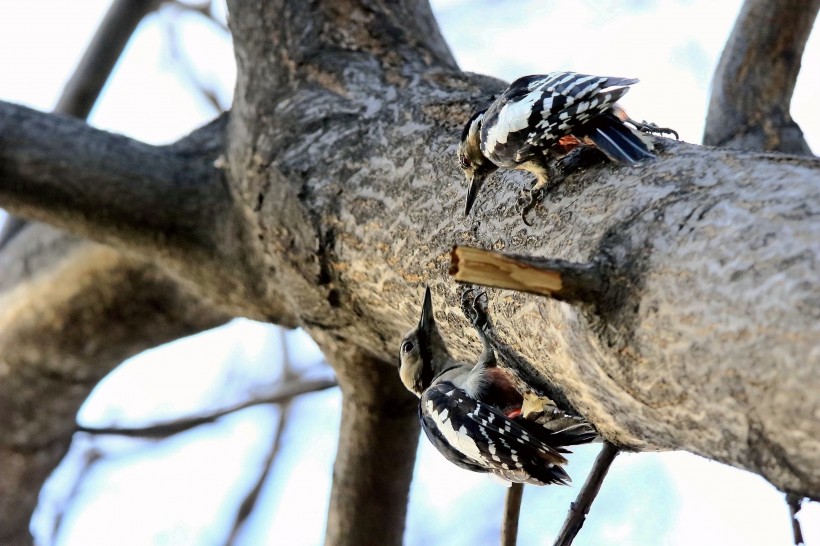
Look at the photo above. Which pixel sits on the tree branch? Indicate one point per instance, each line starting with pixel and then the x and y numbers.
pixel 248 503
pixel 109 187
pixel 754 81
pixel 91 74
pixel 102 54
pixel 512 508
pixel 51 356
pixel 377 449
pixel 586 496
pixel 794 502
pixel 283 394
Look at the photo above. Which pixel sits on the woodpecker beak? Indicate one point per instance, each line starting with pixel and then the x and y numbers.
pixel 427 321
pixel 472 192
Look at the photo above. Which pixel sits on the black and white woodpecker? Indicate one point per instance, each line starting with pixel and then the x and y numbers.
pixel 471 412
pixel 538 118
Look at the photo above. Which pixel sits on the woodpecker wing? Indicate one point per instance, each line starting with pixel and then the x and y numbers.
pixel 472 434
pixel 430 428
pixel 536 111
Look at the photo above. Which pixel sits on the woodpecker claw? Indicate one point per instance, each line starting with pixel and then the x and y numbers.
pixel 535 197
pixel 652 128
pixel 473 310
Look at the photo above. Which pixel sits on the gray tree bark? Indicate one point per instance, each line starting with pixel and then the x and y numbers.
pixel 332 196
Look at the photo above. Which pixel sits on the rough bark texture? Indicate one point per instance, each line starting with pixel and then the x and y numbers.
pixel 341 199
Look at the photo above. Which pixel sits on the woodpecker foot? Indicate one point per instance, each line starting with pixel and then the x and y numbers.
pixel 652 128
pixel 536 194
pixel 472 308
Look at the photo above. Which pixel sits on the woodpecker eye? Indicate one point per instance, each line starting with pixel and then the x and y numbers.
pixel 407 346
pixel 465 163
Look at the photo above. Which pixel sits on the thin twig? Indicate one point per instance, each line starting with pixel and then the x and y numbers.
pixel 580 508
pixel 248 504
pixel 252 497
pixel 205 9
pixel 512 508
pixel 187 71
pixel 559 279
pixel 795 502
pixel 286 392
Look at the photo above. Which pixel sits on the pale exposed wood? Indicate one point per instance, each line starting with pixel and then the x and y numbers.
pixel 558 279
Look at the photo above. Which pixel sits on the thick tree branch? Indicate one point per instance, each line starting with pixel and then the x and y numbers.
pixel 92 72
pixel 753 84
pixel 168 203
pixel 377 449
pixel 109 187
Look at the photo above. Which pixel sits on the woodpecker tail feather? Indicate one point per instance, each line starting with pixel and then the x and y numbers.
pixel 618 141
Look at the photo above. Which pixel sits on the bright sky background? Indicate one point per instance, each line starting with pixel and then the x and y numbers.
pixel 184 491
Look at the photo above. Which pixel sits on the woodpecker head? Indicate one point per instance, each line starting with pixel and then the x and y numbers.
pixel 473 162
pixel 423 352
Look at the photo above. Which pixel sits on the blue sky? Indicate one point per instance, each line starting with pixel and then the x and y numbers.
pixel 184 490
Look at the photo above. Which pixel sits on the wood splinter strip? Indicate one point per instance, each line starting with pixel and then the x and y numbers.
pixel 559 279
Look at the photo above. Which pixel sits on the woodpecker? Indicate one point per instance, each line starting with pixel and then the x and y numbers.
pixel 470 412
pixel 540 117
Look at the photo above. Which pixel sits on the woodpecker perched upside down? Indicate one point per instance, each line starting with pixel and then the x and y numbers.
pixel 467 410
pixel 538 118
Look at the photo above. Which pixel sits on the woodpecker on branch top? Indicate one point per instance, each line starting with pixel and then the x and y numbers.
pixel 471 412
pixel 540 117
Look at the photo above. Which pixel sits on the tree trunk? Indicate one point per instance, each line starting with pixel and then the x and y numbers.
pixel 332 197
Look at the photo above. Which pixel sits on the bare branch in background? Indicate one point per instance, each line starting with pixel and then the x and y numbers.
pixel 102 54
pixel 754 80
pixel 512 509
pixel 283 394
pixel 248 504
pixel 184 65
pixel 205 8
pixel 580 508
pixel 795 502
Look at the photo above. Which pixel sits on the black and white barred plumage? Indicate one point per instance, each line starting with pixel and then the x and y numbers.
pixel 463 410
pixel 524 127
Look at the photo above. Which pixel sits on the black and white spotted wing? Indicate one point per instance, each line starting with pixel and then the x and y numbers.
pixel 477 437
pixel 536 111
